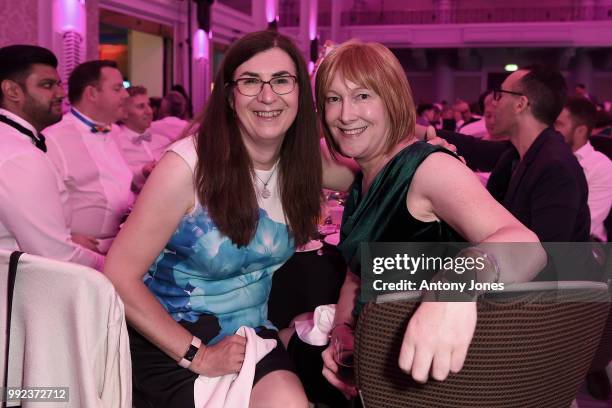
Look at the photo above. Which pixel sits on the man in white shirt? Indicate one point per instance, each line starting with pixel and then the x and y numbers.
pixel 141 148
pixel 34 217
pixel 172 111
pixel 86 156
pixel 575 123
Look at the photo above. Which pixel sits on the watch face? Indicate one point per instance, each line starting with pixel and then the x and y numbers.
pixel 190 354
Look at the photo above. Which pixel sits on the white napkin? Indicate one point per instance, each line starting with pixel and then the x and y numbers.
pixel 315 330
pixel 233 390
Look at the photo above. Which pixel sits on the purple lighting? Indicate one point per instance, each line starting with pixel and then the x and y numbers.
pixel 271 14
pixel 69 15
pixel 200 45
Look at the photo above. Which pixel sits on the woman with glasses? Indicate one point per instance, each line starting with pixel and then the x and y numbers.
pixel 216 218
pixel 407 191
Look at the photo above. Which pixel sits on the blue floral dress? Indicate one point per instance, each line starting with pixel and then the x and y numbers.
pixel 201 271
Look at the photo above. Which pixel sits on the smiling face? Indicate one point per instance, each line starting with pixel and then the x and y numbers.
pixel 357 119
pixel 139 114
pixel 265 117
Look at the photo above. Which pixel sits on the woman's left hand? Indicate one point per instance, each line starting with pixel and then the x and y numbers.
pixel 437 338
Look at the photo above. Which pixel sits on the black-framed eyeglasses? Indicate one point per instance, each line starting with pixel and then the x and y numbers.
pixel 497 93
pixel 281 85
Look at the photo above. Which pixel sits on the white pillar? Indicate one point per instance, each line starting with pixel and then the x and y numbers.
pixel 263 12
pixel 308 25
pixel 201 74
pixel 443 77
pixel 336 20
pixel 69 39
pixel 583 70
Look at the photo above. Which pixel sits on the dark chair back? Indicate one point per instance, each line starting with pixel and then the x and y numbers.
pixel 602 144
pixel 532 348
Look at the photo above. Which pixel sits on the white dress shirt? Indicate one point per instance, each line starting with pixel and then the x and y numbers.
pixel 34 217
pixel 170 127
pixel 139 150
pixel 598 172
pixel 96 176
pixel 476 129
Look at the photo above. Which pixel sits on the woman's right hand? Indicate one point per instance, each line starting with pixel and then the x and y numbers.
pixel 330 367
pixel 225 357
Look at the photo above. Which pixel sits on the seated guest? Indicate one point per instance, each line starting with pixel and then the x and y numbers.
pixel 534 174
pixel 34 215
pixel 155 103
pixel 427 114
pixel 171 124
pixel 463 114
pixel 141 148
pixel 575 123
pixel 406 191
pixel 189 111
pixel 480 128
pixel 86 156
pixel 218 215
pixel 603 124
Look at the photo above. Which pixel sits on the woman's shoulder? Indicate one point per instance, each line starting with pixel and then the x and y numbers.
pixel 186 149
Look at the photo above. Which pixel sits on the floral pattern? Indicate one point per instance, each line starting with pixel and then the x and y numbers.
pixel 202 271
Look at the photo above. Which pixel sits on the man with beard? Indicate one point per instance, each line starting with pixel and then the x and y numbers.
pixel 34 217
pixel 86 156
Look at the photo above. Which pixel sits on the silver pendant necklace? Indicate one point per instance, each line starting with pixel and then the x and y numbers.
pixel 265 193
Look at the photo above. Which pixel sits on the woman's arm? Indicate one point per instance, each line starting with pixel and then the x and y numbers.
pixel 444 188
pixel 165 198
pixel 338 172
pixel 343 321
pixel 438 335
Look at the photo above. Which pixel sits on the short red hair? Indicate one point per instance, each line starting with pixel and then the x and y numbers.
pixel 372 66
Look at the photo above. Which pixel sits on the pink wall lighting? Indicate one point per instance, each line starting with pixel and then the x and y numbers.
pixel 69 15
pixel 271 11
pixel 200 44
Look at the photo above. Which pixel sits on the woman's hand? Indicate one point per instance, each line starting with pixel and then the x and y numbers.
pixel 225 357
pixel 330 367
pixel 437 339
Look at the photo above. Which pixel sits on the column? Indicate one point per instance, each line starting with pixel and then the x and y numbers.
pixel 200 64
pixel 443 77
pixel 69 42
pixel 308 30
pixel 336 21
pixel 583 69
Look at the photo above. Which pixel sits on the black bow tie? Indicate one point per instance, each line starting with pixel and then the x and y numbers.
pixel 39 141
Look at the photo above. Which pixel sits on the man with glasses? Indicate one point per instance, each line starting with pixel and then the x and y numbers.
pixel 534 174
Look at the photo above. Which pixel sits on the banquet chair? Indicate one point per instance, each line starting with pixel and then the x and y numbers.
pixel 532 347
pixel 67 329
pixel 602 144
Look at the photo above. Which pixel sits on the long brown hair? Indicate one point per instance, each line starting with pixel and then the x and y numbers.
pixel 224 172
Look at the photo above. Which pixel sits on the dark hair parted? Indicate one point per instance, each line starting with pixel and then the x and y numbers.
pixel 582 111
pixel 224 172
pixel 372 66
pixel 16 62
pixel 84 75
pixel 546 90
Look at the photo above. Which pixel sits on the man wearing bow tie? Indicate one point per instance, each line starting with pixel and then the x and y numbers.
pixel 85 154
pixel 140 146
pixel 34 215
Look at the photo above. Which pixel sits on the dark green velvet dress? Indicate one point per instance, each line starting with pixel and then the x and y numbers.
pixel 381 215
